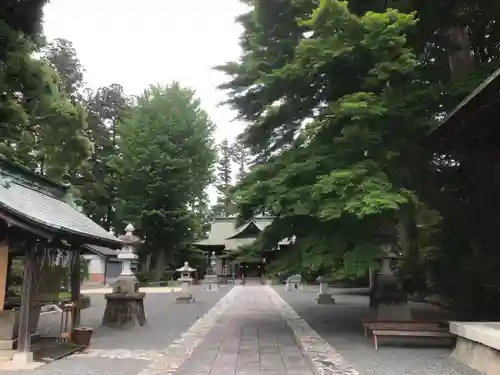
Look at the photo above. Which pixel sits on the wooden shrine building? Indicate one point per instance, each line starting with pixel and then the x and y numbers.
pixel 466 147
pixel 226 238
pixel 469 140
pixel 39 223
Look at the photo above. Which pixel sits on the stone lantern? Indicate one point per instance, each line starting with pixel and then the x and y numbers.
pixel 211 280
pixel 125 304
pixel 186 279
pixel 127 281
pixel 387 295
pixel 323 297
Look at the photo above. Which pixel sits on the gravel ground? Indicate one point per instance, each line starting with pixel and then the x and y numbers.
pixel 340 325
pixel 166 321
pixel 81 366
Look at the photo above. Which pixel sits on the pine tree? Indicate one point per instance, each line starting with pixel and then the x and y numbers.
pixel 224 180
pixel 241 157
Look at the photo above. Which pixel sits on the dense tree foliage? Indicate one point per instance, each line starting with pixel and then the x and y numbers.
pixel 39 125
pixel 337 96
pixel 103 141
pixel 166 155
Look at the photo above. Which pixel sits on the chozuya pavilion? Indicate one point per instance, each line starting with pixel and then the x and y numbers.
pixel 40 224
pixel 226 238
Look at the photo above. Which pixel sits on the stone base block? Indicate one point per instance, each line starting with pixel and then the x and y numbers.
pixel 213 287
pixel 184 298
pixel 394 312
pixel 211 282
pixel 478 345
pixel 126 285
pixel 7 344
pixel 124 310
pixel 22 358
pixel 325 299
pixel 293 287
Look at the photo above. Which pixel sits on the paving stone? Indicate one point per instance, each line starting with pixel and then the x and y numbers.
pixel 256 339
pixel 180 352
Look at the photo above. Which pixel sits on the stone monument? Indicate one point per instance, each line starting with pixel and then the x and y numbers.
pixel 323 297
pixel 125 304
pixel 293 283
pixel 211 280
pixel 186 279
pixel 387 296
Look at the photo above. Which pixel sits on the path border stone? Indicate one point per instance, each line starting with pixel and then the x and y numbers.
pixel 172 358
pixel 324 358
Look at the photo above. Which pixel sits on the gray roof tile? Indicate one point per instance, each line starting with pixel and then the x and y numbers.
pixel 222 229
pixel 101 250
pixel 48 211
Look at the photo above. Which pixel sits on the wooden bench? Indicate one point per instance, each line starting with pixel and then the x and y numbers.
pixel 407 329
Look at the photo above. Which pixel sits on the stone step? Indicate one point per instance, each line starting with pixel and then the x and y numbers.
pixel 7 354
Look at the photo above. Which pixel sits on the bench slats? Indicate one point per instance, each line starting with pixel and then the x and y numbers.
pixel 408 327
pixel 424 333
pixel 437 329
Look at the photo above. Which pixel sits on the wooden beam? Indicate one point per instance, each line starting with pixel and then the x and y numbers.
pixel 75 289
pixel 23 336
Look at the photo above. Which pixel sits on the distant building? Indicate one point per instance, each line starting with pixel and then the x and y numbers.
pixel 103 264
pixel 226 238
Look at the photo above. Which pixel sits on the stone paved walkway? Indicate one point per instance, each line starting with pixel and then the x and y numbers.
pixel 249 330
pixel 251 338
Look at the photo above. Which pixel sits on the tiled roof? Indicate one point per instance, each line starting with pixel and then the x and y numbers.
pixel 101 250
pixel 48 209
pixel 223 229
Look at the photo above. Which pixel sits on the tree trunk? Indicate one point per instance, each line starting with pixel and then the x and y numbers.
pixel 160 265
pixel 460 56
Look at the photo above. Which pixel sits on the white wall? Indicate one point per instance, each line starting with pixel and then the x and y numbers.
pixel 96 264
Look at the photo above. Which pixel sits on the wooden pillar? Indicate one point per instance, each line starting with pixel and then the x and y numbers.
pixel 23 337
pixel 75 289
pixel 4 271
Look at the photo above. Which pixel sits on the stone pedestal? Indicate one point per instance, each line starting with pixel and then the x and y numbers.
pixel 125 305
pixel 124 310
pixel 387 295
pixel 323 297
pixel 211 280
pixel 211 283
pixel 185 295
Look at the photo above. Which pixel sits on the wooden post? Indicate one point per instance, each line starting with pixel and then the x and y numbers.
pixel 23 336
pixel 75 289
pixel 4 271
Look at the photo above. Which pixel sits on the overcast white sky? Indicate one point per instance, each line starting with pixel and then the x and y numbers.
pixel 137 43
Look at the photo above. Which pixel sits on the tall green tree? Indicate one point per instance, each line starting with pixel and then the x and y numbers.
pixel 241 158
pixel 61 55
pixel 328 179
pixel 337 96
pixel 165 164
pixel 40 126
pixel 96 183
pixel 224 180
